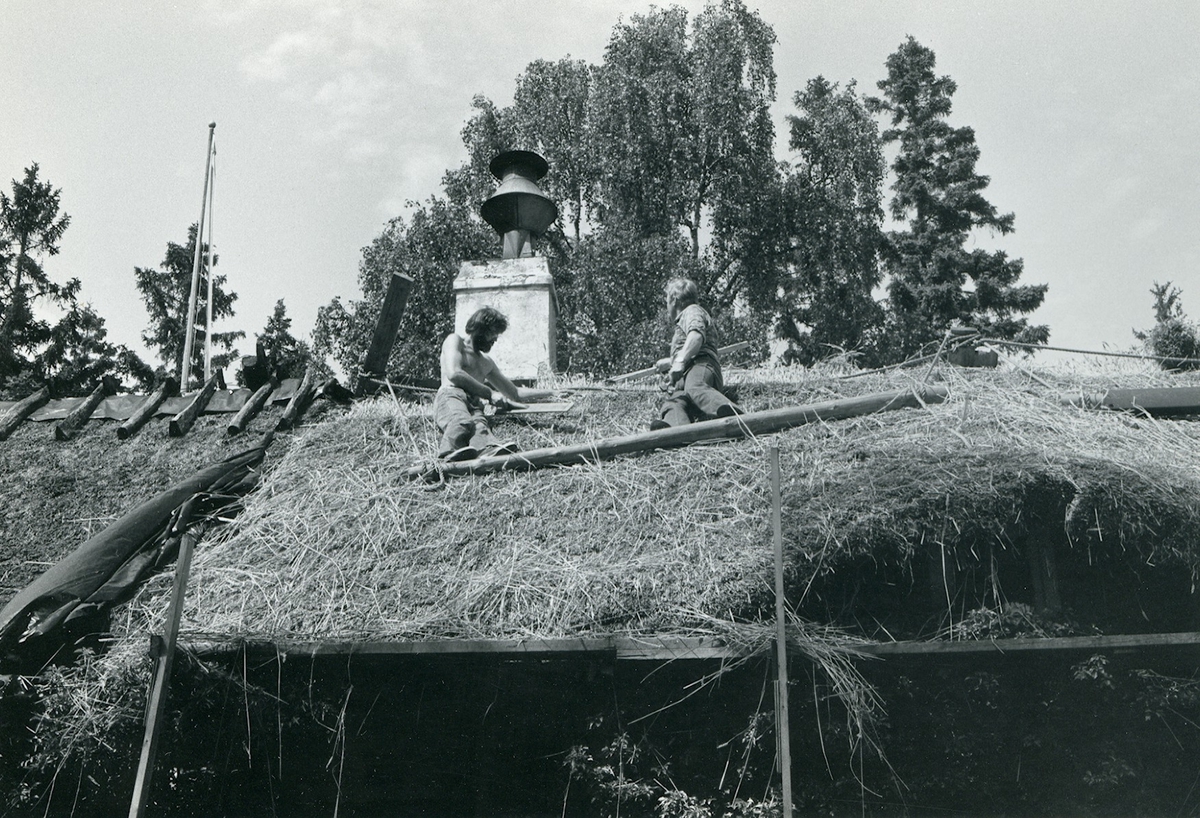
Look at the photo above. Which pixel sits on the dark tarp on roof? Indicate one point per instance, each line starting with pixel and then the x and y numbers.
pixel 109 567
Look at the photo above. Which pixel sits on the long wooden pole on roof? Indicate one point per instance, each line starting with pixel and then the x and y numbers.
pixel 749 424
pixel 182 422
pixel 782 717
pixel 72 423
pixel 251 408
pixel 208 306
pixel 185 367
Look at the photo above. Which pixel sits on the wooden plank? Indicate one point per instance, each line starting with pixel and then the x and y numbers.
pixel 539 409
pixel 168 388
pixel 182 422
pixel 252 408
pixel 731 349
pixel 23 409
pixel 298 403
pixel 662 648
pixel 732 428
pixel 672 648
pixel 1058 643
pixel 66 428
pixel 375 361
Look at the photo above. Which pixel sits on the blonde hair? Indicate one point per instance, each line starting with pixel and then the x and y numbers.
pixel 681 292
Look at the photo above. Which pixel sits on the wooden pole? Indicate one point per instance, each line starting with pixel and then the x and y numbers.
pixel 252 407
pixel 182 422
pixel 168 388
pixel 164 656
pixel 68 426
pixel 208 307
pixel 732 428
pixel 298 403
pixel 375 362
pixel 185 367
pixel 23 409
pixel 650 370
pixel 782 718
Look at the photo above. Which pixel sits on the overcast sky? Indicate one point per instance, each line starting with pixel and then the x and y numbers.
pixel 332 114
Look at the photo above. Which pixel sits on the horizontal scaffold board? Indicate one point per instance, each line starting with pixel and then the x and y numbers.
pixel 663 648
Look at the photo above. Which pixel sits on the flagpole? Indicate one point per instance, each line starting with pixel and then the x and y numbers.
pixel 185 366
pixel 208 318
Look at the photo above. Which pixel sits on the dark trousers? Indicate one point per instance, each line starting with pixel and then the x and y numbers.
pixel 461 420
pixel 697 395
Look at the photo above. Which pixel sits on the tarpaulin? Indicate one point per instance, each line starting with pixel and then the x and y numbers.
pixel 108 567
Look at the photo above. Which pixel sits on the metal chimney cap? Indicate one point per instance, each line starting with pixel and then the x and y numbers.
pixel 516 161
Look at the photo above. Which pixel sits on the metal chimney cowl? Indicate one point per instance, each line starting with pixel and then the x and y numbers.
pixel 518 210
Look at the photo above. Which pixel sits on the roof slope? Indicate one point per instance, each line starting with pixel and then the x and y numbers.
pixel 897 525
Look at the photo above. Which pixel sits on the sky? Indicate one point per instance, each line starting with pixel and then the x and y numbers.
pixel 333 115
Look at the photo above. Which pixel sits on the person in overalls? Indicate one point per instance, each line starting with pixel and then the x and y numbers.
pixel 694 365
pixel 469 379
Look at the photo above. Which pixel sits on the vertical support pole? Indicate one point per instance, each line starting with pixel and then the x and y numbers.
pixel 185 368
pixel 782 719
pixel 164 650
pixel 208 306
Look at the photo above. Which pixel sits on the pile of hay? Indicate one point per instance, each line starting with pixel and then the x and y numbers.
pixel 338 545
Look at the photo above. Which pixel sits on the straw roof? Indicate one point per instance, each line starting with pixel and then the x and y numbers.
pixel 337 545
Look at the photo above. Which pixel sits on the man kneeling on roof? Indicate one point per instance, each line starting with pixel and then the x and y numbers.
pixel 694 366
pixel 469 378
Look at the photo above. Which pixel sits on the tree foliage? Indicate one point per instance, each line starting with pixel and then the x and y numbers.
pixel 1173 338
pixel 428 248
pixel 166 293
pixel 940 196
pixel 833 200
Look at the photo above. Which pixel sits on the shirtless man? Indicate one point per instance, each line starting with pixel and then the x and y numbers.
pixel 470 377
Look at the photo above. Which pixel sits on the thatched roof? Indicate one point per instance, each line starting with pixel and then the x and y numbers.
pixel 896 525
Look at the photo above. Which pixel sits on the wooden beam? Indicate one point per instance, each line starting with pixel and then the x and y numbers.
pixel 749 424
pixel 299 402
pixel 650 370
pixel 670 648
pixel 375 362
pixel 662 648
pixel 23 409
pixel 167 389
pixel 66 428
pixel 182 422
pixel 252 408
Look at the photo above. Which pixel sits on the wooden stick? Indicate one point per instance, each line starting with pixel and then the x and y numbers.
pixel 26 407
pixel 298 403
pixel 168 388
pixel 732 428
pixel 252 408
pixel 782 717
pixel 375 362
pixel 181 423
pixel 164 656
pixel 68 426
pixel 648 371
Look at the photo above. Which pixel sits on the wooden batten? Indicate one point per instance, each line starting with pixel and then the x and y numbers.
pixel 23 409
pixel 183 422
pixel 299 402
pixel 732 428
pixel 168 388
pixel 252 408
pixel 375 361
pixel 72 423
